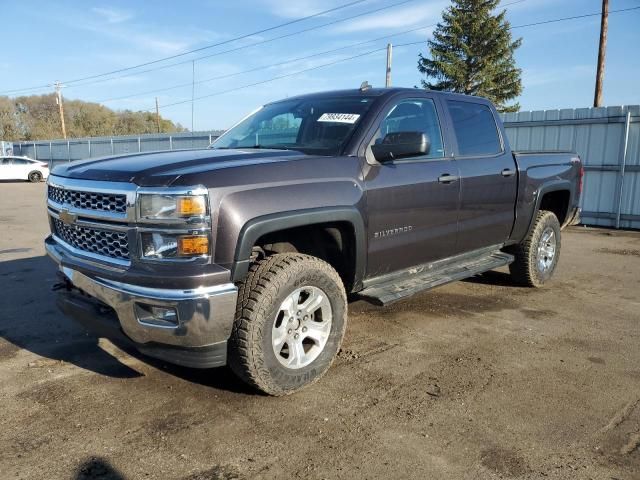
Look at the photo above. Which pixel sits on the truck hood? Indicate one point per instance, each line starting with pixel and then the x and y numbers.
pixel 165 168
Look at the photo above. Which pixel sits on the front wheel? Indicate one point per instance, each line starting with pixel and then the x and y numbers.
pixel 290 322
pixel 35 177
pixel 537 256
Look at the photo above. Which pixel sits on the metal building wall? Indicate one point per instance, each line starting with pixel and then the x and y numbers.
pixel 62 151
pixel 608 141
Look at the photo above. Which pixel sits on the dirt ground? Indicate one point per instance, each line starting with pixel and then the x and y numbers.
pixel 477 379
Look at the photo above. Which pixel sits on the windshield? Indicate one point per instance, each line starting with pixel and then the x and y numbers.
pixel 319 126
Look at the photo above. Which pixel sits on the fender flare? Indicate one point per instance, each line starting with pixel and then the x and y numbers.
pixel 552 186
pixel 259 226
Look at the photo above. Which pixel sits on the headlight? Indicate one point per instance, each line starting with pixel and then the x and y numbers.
pixel 170 207
pixel 168 245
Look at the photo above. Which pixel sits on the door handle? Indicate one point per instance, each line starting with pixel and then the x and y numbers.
pixel 446 178
pixel 507 172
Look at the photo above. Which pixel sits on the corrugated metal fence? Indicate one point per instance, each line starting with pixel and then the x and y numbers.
pixel 57 151
pixel 607 140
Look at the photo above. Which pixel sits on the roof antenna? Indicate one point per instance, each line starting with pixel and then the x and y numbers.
pixel 364 86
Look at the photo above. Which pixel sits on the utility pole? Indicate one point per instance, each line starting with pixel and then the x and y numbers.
pixel 157 115
pixel 387 82
pixel 59 86
pixel 193 89
pixel 602 50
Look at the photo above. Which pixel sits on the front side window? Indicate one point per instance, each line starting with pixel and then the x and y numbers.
pixel 475 128
pixel 414 115
pixel 320 126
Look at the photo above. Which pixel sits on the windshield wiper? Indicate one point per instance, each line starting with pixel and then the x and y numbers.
pixel 268 147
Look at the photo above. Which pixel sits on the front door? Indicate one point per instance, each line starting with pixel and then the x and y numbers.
pixel 6 169
pixel 488 176
pixel 412 202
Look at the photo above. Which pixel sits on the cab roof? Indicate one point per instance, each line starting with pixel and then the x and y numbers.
pixel 368 93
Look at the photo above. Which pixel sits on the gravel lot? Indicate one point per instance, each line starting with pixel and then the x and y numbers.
pixel 477 379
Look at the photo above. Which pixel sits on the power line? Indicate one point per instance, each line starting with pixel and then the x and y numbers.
pixel 173 87
pixel 263 67
pixel 121 70
pixel 277 78
pixel 321 53
pixel 242 47
pixel 225 42
pixel 262 42
pixel 544 22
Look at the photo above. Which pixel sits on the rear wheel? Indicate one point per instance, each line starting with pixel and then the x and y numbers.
pixel 290 322
pixel 537 256
pixel 35 176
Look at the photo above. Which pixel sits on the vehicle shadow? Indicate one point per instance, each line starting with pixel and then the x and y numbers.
pixel 97 467
pixel 18 181
pixel 30 320
pixel 493 277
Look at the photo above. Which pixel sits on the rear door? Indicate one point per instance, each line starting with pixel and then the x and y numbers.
pixel 488 175
pixel 412 203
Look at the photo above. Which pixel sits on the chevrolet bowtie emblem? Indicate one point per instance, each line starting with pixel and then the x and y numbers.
pixel 67 217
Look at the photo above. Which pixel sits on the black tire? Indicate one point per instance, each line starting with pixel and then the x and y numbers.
pixel 35 176
pixel 268 283
pixel 526 269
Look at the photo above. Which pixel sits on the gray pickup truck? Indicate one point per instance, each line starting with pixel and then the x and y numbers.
pixel 246 252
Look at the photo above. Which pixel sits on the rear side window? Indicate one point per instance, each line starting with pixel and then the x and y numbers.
pixel 475 128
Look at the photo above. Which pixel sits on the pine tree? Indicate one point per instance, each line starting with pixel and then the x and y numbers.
pixel 472 52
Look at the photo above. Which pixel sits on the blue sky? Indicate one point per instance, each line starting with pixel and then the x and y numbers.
pixel 66 40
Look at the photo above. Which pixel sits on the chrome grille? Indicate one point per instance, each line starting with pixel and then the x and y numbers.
pixel 105 202
pixel 102 242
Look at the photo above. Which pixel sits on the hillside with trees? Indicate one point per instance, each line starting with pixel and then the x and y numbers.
pixel 36 117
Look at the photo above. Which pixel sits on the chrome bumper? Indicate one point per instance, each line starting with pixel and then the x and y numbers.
pixel 204 315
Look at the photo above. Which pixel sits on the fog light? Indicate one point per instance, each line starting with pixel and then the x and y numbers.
pixel 193 245
pixel 155 316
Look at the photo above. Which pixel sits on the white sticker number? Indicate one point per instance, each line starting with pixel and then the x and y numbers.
pixel 339 117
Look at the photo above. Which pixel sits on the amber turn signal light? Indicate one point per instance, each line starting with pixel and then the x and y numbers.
pixel 191 206
pixel 193 245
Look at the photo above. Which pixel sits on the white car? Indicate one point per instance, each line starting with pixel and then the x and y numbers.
pixel 23 168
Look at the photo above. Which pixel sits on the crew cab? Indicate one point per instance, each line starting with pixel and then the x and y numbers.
pixel 245 253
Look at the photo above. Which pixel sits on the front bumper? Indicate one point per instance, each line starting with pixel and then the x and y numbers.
pixel 198 339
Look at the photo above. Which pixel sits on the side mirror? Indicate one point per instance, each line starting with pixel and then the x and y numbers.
pixel 401 144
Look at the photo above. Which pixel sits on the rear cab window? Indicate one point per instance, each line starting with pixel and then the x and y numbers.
pixel 475 128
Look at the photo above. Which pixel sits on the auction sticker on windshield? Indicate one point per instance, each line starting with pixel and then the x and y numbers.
pixel 339 117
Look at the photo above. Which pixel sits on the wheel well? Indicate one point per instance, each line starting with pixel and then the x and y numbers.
pixel 556 202
pixel 332 242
